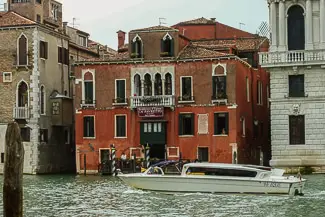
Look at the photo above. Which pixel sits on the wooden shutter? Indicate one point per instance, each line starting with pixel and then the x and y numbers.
pixel 22 51
pixel 85 127
pixel 227 123
pixel 92 127
pixel 120 125
pixel 192 124
pixel 89 92
pixel 120 89
pixel 215 124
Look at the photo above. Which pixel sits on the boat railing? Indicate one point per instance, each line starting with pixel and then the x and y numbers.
pixel 154 171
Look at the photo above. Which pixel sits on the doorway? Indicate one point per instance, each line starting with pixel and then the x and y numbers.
pixel 158 151
pixel 104 159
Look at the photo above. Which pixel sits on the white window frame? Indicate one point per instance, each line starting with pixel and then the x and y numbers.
pixel 137 157
pixel 17 92
pixel 22 34
pixel 82 39
pixel 92 71
pixel 124 103
pixel 115 126
pixel 40 100
pixel 100 154
pixel 247 89
pixel 181 89
pixel 84 126
pixel 168 152
pixel 4 74
pixel 197 152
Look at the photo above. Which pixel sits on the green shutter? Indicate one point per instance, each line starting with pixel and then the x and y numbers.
pixel 214 96
pixel 172 47
pixel 89 92
pixel 92 127
pixel 85 126
pixel 192 124
pixel 180 124
pixel 227 123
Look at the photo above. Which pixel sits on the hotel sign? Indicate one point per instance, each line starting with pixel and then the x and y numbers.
pixel 150 112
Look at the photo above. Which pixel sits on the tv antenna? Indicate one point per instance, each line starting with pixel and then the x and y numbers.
pixel 161 19
pixel 74 24
pixel 241 24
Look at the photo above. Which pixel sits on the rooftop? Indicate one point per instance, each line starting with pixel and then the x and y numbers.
pixel 202 21
pixel 10 18
pixel 155 29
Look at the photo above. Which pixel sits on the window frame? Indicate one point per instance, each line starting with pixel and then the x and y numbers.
pixel 203 147
pixel 291 92
pixel 302 127
pixel 115 126
pixel 18 50
pixel 181 127
pixel 94 121
pixel 215 116
pixel 43 102
pixel 181 90
pixel 116 101
pixel 4 75
pixel 259 92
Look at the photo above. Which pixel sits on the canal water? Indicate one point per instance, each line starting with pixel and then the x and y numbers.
pixel 67 195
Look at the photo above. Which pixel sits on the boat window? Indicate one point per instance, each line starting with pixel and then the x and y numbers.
pixel 221 172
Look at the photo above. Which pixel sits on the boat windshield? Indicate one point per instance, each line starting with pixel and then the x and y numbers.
pixel 220 172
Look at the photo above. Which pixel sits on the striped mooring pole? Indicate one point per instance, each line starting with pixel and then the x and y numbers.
pixel 148 155
pixel 113 160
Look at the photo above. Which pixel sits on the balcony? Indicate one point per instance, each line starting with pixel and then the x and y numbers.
pixel 220 99
pixel 120 101
pixel 186 99
pixel 88 103
pixel 292 58
pixel 140 101
pixel 21 113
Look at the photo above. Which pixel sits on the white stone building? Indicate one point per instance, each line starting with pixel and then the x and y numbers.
pixel 296 62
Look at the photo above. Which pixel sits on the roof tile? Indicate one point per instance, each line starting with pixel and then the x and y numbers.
pixel 196 52
pixel 10 18
pixel 154 28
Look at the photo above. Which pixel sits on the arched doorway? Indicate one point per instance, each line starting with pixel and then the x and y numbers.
pixel 296 28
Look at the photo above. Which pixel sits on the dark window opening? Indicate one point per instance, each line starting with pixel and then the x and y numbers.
pixel 39 1
pixel 168 84
pixel 2 157
pixel 296 28
pixel 42 100
pixel 158 85
pixel 67 136
pixel 136 49
pixel 120 126
pixel 221 121
pixel 296 86
pixel 186 89
pixel 250 58
pixel 137 85
pixel 43 49
pixel 147 85
pixel 120 91
pixel 22 51
pixel 167 47
pixel 22 94
pixel 186 124
pixel 255 130
pixel 219 87
pixel 89 127
pixel 38 18
pixel 60 51
pixel 25 134
pixel 203 154
pixel 297 129
pixel 43 135
pixel 89 97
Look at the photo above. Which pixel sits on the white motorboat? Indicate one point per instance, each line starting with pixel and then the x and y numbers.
pixel 217 178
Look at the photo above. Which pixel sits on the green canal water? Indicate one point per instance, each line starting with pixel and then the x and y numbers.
pixel 67 195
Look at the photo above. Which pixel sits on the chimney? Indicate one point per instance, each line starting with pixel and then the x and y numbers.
pixel 213 19
pixel 65 27
pixel 121 38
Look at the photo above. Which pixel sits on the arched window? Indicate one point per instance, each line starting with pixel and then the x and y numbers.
pixel 158 85
pixel 137 85
pixel 22 94
pixel 296 28
pixel 136 49
pixel 147 85
pixel 219 83
pixel 168 84
pixel 42 100
pixel 167 46
pixel 88 88
pixel 22 50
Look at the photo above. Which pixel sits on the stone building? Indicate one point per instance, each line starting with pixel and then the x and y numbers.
pixel 37 84
pixel 296 63
pixel 191 98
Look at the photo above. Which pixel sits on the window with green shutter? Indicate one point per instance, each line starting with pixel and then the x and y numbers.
pixel 89 97
pixel 120 91
pixel 186 124
pixel 221 123
pixel 89 127
pixel 120 126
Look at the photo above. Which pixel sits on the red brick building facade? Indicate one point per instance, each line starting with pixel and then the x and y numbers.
pixel 198 99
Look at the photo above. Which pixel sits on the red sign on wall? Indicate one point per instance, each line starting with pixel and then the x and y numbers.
pixel 150 112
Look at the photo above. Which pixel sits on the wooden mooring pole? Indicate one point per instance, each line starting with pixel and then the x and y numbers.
pixel 13 173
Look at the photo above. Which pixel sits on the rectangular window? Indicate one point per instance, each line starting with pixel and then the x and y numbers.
pixel 89 97
pixel 38 18
pixel 259 92
pixel 43 135
pixel 67 136
pixel 25 134
pixel 120 126
pixel 203 154
pixel 120 91
pixel 221 121
pixel 186 89
pixel 2 157
pixel 83 41
pixel 89 127
pixel 297 129
pixel 186 124
pixel 39 1
pixel 54 11
pixel 219 87
pixel 247 89
pixel 43 50
pixel 60 49
pixel 296 86
pixel 65 57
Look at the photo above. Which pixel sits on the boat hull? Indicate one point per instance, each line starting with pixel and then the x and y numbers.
pixel 206 184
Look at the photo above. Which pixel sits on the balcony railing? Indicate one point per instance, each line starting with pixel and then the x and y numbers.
pixel 88 103
pixel 297 57
pixel 186 99
pixel 120 101
pixel 221 98
pixel 21 113
pixel 166 101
